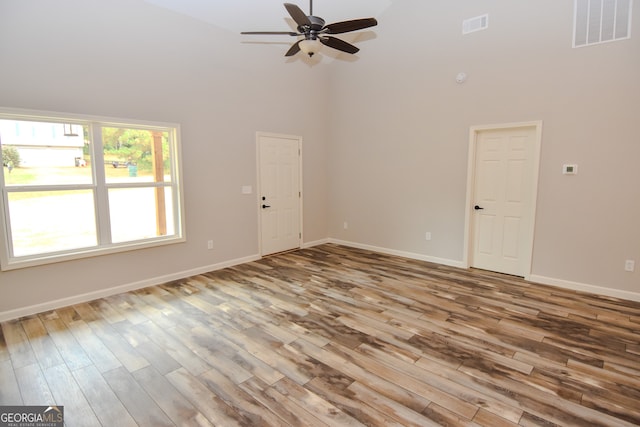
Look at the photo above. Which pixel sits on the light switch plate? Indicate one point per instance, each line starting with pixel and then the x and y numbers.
pixel 629 265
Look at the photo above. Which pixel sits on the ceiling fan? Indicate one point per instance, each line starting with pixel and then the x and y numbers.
pixel 316 33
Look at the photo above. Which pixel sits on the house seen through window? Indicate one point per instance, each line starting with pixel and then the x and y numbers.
pixel 81 187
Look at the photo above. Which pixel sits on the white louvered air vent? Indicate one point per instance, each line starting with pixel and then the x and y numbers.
pixel 475 24
pixel 600 21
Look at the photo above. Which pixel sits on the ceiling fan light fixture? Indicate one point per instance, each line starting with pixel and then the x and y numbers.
pixel 310 46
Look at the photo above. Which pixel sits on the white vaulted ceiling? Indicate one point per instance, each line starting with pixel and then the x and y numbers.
pixel 269 15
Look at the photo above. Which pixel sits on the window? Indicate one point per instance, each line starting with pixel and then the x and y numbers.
pixel 601 21
pixel 80 186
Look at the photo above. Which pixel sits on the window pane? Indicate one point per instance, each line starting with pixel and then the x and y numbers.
pixel 581 22
pixel 595 11
pixel 44 153
pixel 51 221
pixel 140 213
pixel 623 16
pixel 136 155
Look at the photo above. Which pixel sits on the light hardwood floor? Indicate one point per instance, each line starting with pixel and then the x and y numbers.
pixel 332 336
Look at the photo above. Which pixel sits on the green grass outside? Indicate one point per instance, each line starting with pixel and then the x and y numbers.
pixel 60 176
pixel 27 176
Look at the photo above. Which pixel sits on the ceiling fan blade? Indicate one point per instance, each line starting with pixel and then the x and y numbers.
pixel 353 25
pixel 289 33
pixel 295 48
pixel 338 44
pixel 298 15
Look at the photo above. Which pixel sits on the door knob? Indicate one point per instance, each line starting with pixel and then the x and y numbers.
pixel 478 208
pixel 265 206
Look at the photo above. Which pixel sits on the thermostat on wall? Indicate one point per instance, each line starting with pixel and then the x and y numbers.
pixel 569 169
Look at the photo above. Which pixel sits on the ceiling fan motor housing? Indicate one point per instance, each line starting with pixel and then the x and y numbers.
pixel 317 24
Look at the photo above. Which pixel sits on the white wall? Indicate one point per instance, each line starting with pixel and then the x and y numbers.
pixel 128 59
pixel 385 138
pixel 400 135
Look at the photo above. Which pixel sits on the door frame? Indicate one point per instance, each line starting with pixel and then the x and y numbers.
pixel 260 134
pixel 474 132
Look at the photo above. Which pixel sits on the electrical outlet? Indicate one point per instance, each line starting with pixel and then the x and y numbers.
pixel 209 244
pixel 629 265
pixel 345 225
pixel 427 235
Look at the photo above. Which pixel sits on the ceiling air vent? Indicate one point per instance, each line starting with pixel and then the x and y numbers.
pixel 601 21
pixel 475 24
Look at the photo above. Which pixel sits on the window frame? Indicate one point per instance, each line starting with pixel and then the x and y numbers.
pixel 586 23
pixel 100 188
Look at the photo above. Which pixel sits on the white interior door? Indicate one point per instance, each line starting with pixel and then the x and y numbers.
pixel 280 194
pixel 505 182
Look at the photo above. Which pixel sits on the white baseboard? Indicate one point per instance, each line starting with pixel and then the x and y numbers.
pixel 102 293
pixel 410 255
pixel 583 287
pixel 314 243
pixel 566 284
